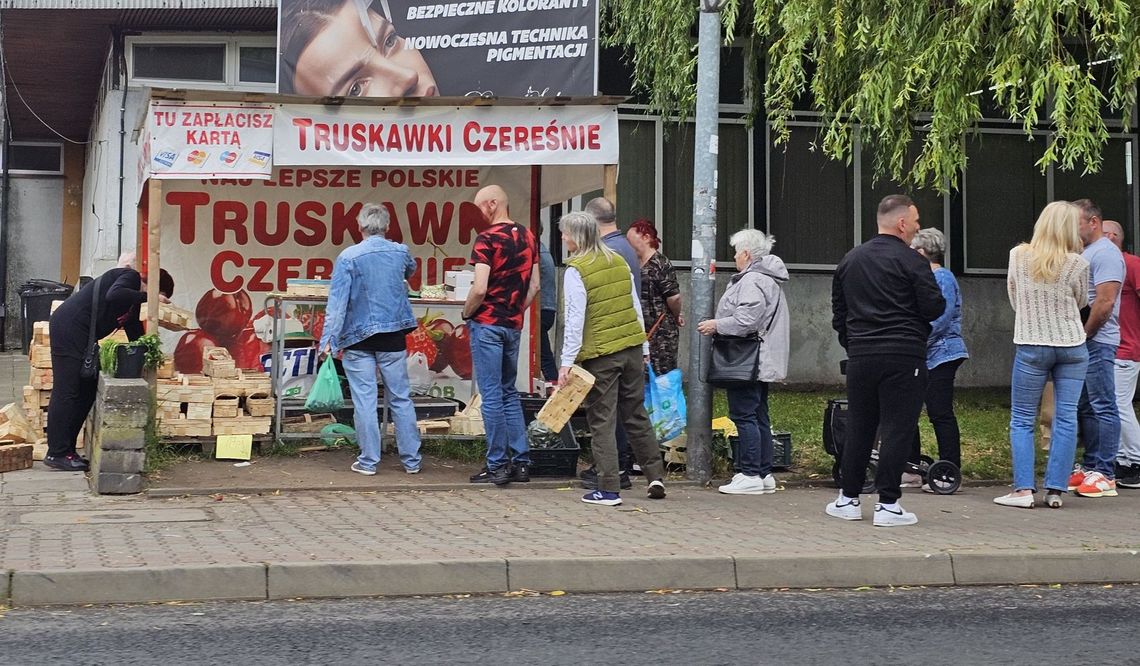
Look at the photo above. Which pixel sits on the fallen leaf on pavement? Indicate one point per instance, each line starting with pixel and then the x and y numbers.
pixel 557 593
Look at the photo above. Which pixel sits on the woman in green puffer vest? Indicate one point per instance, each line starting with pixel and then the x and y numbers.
pixel 604 334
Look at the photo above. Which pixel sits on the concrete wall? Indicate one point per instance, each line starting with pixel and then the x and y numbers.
pixel 35 217
pixel 987 325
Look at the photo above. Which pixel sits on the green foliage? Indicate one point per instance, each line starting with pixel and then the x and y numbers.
pixel 151 344
pixel 108 361
pixel 886 68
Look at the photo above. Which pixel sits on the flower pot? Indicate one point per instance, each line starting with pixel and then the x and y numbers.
pixel 129 361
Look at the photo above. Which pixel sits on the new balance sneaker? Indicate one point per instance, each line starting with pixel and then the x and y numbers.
pixel 1076 478
pixel 845 507
pixel 602 497
pixel 1096 485
pixel 656 489
pixel 893 516
pixel 742 484
pixel 1129 476
pixel 910 480
pixel 361 469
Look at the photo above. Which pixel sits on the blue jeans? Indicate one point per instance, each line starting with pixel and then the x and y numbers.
pixel 495 357
pixel 748 409
pixel 1032 366
pixel 1100 419
pixel 361 368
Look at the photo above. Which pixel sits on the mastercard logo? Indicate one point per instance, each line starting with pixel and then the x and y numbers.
pixel 228 157
pixel 197 156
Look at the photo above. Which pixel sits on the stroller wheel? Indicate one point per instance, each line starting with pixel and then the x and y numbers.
pixel 837 474
pixel 869 480
pixel 944 477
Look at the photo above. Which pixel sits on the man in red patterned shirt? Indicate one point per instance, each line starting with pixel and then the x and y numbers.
pixel 1127 365
pixel 505 256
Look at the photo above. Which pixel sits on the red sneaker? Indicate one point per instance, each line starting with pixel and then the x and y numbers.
pixel 1096 485
pixel 1076 478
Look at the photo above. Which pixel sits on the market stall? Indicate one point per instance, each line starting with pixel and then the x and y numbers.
pixel 250 196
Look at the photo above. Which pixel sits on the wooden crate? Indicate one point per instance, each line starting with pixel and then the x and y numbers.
pixel 40 356
pixel 186 428
pixel 170 411
pixel 186 388
pixel 560 406
pixel 217 363
pixel 14 425
pixel 310 288
pixel 244 383
pixel 54 305
pixel 243 425
pixel 200 411
pixel 226 406
pixel 35 399
pixel 40 334
pixel 171 317
pixel 15 456
pixel 39 449
pixel 40 379
pixel 259 403
pixel 306 422
pixel 166 370
pixel 467 424
pixel 427 427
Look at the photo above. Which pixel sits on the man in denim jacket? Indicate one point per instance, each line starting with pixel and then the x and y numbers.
pixel 367 317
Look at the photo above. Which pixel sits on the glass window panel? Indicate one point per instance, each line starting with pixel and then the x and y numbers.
pixel 637 185
pixel 1004 192
pixel 811 201
pixel 1109 188
pixel 189 62
pixel 33 157
pixel 928 202
pixel 257 64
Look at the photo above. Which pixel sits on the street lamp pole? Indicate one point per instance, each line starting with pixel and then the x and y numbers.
pixel 698 465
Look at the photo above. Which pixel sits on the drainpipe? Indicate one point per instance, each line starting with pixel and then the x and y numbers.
pixel 121 78
pixel 5 190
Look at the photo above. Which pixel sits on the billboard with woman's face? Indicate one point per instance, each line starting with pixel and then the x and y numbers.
pixel 423 48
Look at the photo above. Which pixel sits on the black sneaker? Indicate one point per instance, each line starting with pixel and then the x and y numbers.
pixel 590 481
pixel 1128 477
pixel 520 473
pixel 71 463
pixel 499 477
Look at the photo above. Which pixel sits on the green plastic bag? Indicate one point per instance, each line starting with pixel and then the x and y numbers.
pixel 325 396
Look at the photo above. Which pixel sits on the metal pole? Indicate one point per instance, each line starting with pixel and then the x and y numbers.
pixel 698 464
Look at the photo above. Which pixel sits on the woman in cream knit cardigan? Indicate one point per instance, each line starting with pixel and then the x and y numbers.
pixel 1048 286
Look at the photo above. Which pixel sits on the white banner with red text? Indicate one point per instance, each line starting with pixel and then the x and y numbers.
pixel 308 135
pixel 228 243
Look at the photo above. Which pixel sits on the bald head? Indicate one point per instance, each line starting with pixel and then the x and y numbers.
pixel 493 202
pixel 1114 231
pixel 602 209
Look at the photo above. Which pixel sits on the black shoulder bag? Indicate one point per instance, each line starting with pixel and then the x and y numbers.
pixel 735 359
pixel 90 367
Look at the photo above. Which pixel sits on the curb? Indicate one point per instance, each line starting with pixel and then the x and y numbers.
pixel 383 488
pixel 291 580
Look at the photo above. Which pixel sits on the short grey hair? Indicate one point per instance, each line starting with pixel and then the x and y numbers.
pixel 931 242
pixel 753 241
pixel 602 209
pixel 373 220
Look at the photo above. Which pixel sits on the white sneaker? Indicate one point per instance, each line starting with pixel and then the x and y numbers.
pixel 769 484
pixel 743 484
pixel 845 508
pixel 885 517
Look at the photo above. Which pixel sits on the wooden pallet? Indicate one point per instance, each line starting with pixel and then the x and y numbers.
pixel 14 425
pixel 40 356
pixel 186 428
pixel 566 399
pixel 40 379
pixel 243 425
pixel 40 334
pixel 186 388
pixel 15 456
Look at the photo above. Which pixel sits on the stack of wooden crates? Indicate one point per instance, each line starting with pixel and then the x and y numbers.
pixel 221 401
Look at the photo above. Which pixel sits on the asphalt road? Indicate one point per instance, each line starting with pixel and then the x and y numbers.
pixel 1007 625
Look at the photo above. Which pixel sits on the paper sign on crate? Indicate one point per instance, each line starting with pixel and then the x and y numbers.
pixel 234 447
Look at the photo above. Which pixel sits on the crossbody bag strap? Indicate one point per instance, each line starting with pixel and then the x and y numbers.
pixel 94 310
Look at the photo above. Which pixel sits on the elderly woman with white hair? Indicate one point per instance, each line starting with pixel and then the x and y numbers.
pixel 367 316
pixel 754 304
pixel 945 353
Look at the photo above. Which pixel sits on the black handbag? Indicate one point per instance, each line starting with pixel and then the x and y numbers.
pixel 90 367
pixel 735 359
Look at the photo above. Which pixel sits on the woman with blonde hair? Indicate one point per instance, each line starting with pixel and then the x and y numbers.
pixel 1048 286
pixel 604 334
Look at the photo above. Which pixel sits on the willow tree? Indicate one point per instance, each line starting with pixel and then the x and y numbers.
pixel 892 67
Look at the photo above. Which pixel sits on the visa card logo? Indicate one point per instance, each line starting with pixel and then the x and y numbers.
pixel 166 158
pixel 259 158
pixel 228 157
pixel 197 157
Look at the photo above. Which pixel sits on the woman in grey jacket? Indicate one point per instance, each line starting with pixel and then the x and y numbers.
pixel 752 304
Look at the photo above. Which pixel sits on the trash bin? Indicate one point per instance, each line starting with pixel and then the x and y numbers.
pixel 36 297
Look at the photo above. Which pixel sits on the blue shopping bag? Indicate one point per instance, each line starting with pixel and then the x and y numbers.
pixel 665 402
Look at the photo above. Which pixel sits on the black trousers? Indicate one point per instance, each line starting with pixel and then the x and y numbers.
pixel 884 396
pixel 940 411
pixel 546 352
pixel 71 399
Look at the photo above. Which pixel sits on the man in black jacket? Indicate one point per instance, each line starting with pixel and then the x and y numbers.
pixel 883 298
pixel 121 292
